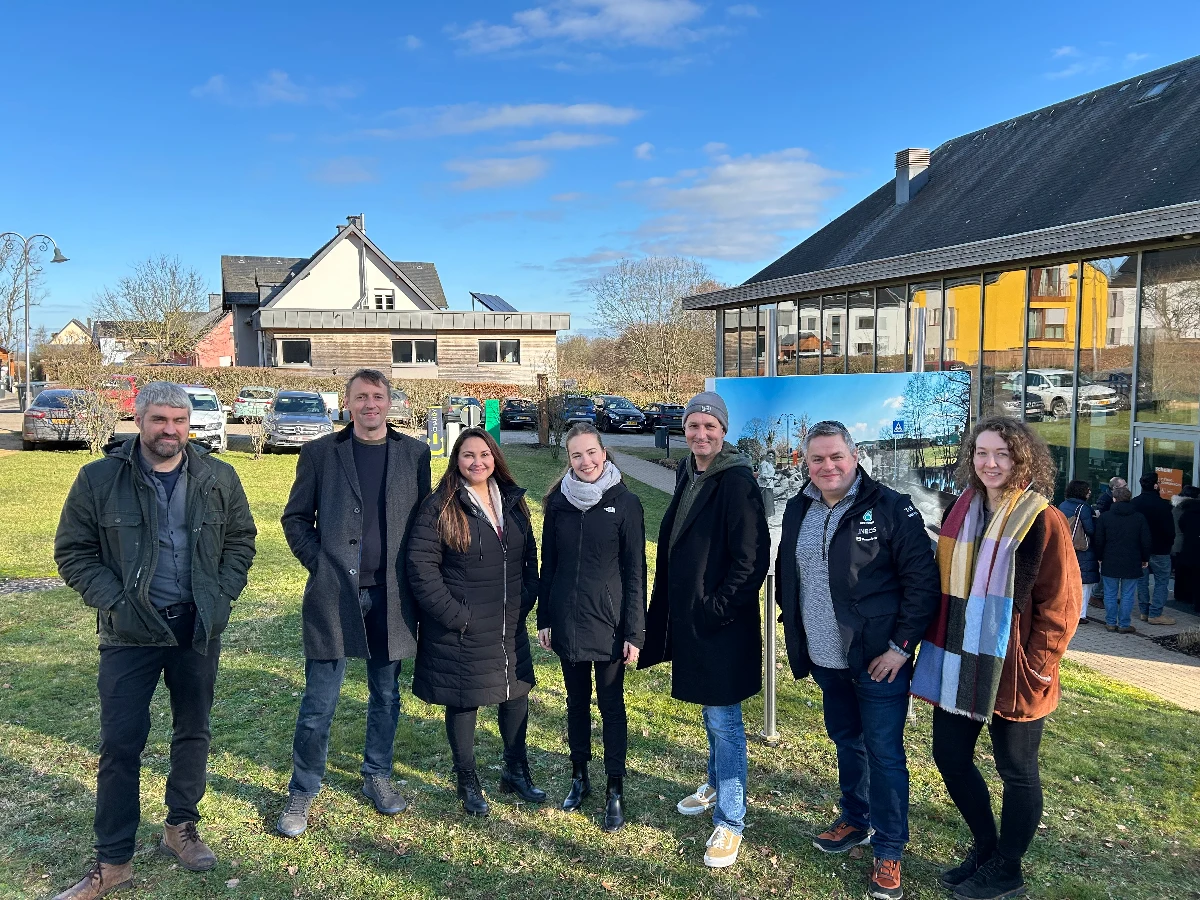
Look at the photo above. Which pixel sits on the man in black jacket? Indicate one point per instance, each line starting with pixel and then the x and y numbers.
pixel 1157 510
pixel 347 520
pixel 1122 544
pixel 857 585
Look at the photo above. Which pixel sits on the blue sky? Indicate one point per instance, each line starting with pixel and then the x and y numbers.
pixel 520 146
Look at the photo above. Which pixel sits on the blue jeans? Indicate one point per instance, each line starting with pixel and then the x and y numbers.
pixel 323 684
pixel 865 719
pixel 1119 594
pixel 727 764
pixel 1160 568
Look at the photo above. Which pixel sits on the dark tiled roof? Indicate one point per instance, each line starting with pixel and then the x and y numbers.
pixel 204 322
pixel 1101 154
pixel 242 275
pixel 425 276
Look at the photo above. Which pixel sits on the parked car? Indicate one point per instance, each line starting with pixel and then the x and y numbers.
pixel 207 425
pixel 50 420
pixel 252 403
pixel 518 412
pixel 452 408
pixel 617 414
pixel 1035 409
pixel 400 411
pixel 294 419
pixel 1056 388
pixel 578 409
pixel 668 414
pixel 122 388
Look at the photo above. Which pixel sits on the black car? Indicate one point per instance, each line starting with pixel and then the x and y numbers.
pixel 668 414
pixel 518 412
pixel 453 407
pixel 617 414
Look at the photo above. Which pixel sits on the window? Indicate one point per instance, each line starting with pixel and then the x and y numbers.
pixel 862 349
pixel 504 352
pixel 1052 281
pixel 889 331
pixel 860 341
pixel 385 299
pixel 1051 327
pixel 864 322
pixel 414 352
pixel 296 352
pixel 1168 375
pixel 1048 324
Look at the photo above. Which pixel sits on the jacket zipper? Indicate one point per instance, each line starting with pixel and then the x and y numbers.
pixel 504 597
pixel 578 557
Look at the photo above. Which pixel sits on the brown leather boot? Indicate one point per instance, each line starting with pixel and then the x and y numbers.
pixel 101 879
pixel 183 842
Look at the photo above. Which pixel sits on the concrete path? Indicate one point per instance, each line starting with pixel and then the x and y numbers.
pixel 643 470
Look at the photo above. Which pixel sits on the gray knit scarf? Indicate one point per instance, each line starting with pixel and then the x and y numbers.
pixel 582 495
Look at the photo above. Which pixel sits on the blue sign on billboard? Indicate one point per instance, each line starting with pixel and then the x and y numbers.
pixel 897 427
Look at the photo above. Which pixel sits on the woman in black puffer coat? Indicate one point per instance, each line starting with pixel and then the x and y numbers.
pixel 472 564
pixel 592 606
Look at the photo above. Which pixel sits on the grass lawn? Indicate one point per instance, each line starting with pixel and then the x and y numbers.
pixel 1122 800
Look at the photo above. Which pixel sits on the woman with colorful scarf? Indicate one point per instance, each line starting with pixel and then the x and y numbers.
pixel 1011 600
pixel 592 606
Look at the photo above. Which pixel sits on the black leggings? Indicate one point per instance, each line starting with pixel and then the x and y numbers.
pixel 1015 747
pixel 610 698
pixel 513 717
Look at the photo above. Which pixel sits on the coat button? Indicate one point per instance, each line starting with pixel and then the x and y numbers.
pixel 353 572
pixel 118 521
pixel 355 509
pixel 353 542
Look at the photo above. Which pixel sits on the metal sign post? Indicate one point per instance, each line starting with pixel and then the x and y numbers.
pixel 897 431
pixel 769 735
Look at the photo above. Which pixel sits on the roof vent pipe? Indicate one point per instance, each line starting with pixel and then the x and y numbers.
pixel 912 171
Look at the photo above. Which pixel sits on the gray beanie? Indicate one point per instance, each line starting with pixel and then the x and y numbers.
pixel 708 402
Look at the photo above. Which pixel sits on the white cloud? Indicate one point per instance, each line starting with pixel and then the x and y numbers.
pixel 1132 59
pixel 858 429
pixel 715 148
pixel 736 208
pixel 499 172
pixel 569 197
pixel 743 10
pixel 276 87
pixel 1065 51
pixel 346 170
pixel 560 140
pixel 215 87
pixel 472 118
pixel 597 257
pixel 411 42
pixel 647 23
pixel 644 150
pixel 893 403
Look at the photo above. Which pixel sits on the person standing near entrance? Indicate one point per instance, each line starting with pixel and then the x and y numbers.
pixel 857 585
pixel 1123 543
pixel 159 538
pixel 1083 532
pixel 347 520
pixel 714 548
pixel 1157 511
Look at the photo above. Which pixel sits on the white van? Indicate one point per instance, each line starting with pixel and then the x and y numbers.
pixel 208 418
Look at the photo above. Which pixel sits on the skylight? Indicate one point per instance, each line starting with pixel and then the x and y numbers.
pixel 1157 89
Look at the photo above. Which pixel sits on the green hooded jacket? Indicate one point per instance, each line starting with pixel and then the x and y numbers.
pixel 727 457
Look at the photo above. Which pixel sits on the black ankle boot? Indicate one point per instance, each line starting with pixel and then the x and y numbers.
pixel 515 779
pixel 614 808
pixel 471 793
pixel 976 857
pixel 997 879
pixel 581 787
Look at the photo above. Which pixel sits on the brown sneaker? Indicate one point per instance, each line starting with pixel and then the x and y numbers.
pixel 101 879
pixel 1161 620
pixel 841 836
pixel 1126 629
pixel 183 842
pixel 885 880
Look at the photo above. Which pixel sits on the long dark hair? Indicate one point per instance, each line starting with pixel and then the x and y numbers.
pixel 1032 463
pixel 579 428
pixel 453 527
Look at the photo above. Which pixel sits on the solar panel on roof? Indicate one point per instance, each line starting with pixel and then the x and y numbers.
pixel 493 302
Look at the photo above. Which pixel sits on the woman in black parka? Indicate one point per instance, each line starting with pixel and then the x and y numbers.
pixel 472 561
pixel 592 605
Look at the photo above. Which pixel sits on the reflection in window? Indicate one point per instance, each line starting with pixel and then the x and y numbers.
pixel 889 330
pixel 750 342
pixel 785 329
pixel 1050 377
pixel 833 333
pixel 1106 317
pixel 729 319
pixel 925 326
pixel 963 303
pixel 808 337
pixel 1003 342
pixel 860 335
pixel 1169 352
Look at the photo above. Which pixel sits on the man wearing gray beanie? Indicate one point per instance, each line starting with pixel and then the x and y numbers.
pixel 713 553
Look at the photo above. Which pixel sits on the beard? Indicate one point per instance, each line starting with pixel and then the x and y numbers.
pixel 163 447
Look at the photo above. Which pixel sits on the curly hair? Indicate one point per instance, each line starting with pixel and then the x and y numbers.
pixel 1032 463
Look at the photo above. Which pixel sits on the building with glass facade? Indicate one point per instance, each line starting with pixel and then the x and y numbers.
pixel 1055 258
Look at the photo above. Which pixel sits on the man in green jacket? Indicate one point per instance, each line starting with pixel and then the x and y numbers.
pixel 158 538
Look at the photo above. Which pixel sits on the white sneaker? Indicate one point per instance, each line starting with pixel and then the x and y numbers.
pixel 723 848
pixel 703 800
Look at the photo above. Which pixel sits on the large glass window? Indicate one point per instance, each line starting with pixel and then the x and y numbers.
pixel 808 339
pixel 752 340
pixel 860 332
pixel 1003 343
pixel 1050 376
pixel 889 329
pixel 964 298
pixel 833 333
pixel 729 337
pixel 296 352
pixel 1106 318
pixel 785 331
pixel 1169 351
pixel 925 326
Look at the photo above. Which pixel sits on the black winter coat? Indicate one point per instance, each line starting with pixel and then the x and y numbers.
pixel 1159 517
pixel 323 526
pixel 1189 528
pixel 704 612
pixel 883 577
pixel 1122 542
pixel 592 593
pixel 473 645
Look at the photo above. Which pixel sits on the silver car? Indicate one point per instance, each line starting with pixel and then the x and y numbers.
pixel 294 419
pixel 51 420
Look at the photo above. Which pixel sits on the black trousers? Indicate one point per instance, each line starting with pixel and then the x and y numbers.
pixel 1015 747
pixel 610 698
pixel 513 716
pixel 127 680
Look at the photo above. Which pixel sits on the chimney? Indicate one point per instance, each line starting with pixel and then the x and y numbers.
pixel 359 221
pixel 912 171
pixel 215 301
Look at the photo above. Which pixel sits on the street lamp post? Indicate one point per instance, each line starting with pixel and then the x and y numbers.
pixel 44 242
pixel 788 421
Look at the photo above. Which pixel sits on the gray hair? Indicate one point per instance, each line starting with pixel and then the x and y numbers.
pixel 372 376
pixel 828 428
pixel 162 393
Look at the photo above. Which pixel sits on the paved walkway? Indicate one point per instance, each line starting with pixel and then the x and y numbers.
pixel 1130 658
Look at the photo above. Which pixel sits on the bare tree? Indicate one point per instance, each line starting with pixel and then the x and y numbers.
pixel 154 308
pixel 639 303
pixel 12 291
pixel 98 416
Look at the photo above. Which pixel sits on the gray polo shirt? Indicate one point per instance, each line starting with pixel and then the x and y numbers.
pixel 825 646
pixel 171 580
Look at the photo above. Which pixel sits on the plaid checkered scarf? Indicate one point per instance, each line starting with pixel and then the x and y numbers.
pixel 962 656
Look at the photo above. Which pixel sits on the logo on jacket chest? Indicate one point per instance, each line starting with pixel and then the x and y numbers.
pixel 867 530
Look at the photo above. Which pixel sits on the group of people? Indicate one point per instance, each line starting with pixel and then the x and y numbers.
pixel 158 537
